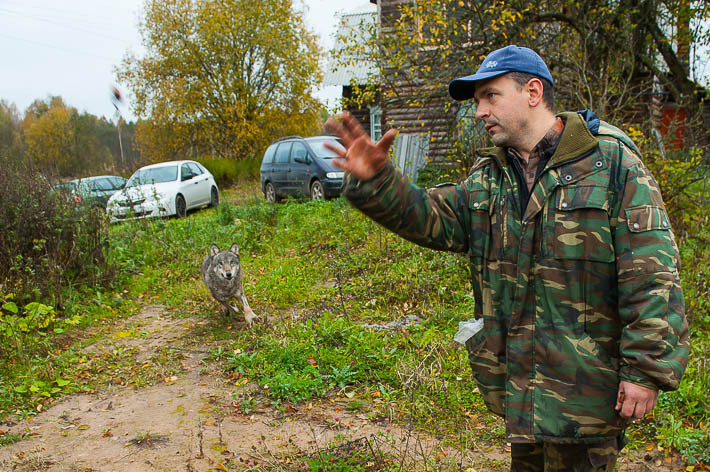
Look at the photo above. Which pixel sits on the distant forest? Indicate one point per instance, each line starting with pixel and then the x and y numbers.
pixel 62 143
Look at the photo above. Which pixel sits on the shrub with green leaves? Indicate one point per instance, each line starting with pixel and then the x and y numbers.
pixel 230 171
pixel 46 240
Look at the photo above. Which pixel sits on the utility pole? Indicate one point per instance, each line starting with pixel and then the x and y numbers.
pixel 116 98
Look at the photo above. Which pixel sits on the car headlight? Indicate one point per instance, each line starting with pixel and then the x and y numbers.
pixel 130 203
pixel 335 175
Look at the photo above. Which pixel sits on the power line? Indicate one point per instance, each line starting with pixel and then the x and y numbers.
pixel 74 51
pixel 81 30
pixel 84 15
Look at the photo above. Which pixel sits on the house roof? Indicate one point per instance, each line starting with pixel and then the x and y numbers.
pixel 353 24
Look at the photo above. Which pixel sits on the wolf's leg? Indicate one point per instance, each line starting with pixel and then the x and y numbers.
pixel 227 309
pixel 234 308
pixel 249 315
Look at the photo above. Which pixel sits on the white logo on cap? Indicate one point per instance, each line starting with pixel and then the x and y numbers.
pixel 492 64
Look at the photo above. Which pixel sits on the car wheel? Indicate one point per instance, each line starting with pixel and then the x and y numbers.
pixel 214 197
pixel 270 193
pixel 180 207
pixel 317 190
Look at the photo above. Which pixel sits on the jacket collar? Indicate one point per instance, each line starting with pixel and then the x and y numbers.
pixel 576 140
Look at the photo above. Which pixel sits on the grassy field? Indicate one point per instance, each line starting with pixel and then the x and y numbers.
pixel 327 281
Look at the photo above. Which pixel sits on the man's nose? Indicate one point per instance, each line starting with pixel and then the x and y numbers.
pixel 481 112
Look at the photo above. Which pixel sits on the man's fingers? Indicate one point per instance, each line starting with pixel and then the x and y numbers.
pixel 650 405
pixel 619 399
pixel 337 128
pixel 643 408
pixel 636 400
pixel 341 163
pixel 338 150
pixel 352 126
pixel 386 141
pixel 627 408
pixel 635 408
pixel 640 410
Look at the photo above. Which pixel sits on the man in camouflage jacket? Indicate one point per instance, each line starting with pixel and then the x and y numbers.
pixel 574 265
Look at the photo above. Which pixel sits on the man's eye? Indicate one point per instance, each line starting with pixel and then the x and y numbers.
pixel 491 95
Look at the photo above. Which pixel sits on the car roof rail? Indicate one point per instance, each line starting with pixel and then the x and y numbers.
pixel 285 138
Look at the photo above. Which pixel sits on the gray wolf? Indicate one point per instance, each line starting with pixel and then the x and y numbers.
pixel 222 274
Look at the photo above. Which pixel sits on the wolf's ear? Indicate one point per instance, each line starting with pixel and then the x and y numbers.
pixel 214 250
pixel 234 249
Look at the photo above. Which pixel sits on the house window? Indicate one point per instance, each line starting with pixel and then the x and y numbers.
pixel 375 123
pixel 471 131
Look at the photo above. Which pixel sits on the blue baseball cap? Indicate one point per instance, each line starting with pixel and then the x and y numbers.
pixel 499 62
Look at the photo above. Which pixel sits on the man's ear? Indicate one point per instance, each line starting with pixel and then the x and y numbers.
pixel 534 88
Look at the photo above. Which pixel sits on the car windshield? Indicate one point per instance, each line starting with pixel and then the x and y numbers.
pixel 318 146
pixel 153 175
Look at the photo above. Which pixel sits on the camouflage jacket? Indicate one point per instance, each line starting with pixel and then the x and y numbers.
pixel 580 291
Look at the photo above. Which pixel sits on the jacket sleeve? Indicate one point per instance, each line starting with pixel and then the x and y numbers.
pixel 654 341
pixel 434 218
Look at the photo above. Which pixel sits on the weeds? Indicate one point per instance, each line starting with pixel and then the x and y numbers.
pixel 320 281
pixel 147 440
pixel 47 241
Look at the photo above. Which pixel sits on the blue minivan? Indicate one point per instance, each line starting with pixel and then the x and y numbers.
pixel 298 167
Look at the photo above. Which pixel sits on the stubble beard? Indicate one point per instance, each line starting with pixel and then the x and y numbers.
pixel 506 139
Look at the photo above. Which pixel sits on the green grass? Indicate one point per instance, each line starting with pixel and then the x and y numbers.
pixel 319 271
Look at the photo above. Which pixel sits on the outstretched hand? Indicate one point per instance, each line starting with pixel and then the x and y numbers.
pixel 361 157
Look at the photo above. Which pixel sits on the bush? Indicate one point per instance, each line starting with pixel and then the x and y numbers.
pixel 46 240
pixel 228 171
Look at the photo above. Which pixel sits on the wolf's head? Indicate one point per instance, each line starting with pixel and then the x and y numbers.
pixel 225 264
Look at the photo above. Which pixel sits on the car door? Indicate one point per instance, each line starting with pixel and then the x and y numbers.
pixel 281 160
pixel 299 174
pixel 201 181
pixel 267 165
pixel 187 185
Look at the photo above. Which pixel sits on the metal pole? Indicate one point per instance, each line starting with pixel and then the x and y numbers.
pixel 120 143
pixel 116 98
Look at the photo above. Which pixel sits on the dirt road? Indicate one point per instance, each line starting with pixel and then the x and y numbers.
pixel 192 421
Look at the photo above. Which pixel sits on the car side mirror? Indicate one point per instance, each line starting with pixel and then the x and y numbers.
pixel 301 160
pixel 187 177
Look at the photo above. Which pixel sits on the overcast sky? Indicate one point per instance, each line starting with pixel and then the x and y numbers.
pixel 69 48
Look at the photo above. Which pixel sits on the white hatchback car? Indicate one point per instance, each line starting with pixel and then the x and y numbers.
pixel 165 189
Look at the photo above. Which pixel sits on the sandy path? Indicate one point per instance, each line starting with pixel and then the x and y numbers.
pixel 190 422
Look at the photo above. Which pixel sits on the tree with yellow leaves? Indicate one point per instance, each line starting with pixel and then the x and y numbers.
pixel 221 77
pixel 614 58
pixel 49 135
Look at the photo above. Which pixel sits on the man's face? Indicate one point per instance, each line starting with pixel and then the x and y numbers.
pixel 503 107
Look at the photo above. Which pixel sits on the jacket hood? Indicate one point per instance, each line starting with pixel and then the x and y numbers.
pixel 591 119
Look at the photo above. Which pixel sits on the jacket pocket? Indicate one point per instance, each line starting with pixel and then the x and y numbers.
pixel 649 227
pixel 579 224
pixel 479 207
pixel 486 356
pixel 647 218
